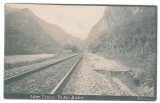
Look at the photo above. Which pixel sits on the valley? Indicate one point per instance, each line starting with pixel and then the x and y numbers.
pixel 118 57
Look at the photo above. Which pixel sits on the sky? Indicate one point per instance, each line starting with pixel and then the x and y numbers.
pixel 75 20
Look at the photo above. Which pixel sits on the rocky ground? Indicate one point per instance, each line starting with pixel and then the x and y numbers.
pixel 87 81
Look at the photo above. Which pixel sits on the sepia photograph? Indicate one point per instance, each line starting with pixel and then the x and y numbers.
pixel 80 52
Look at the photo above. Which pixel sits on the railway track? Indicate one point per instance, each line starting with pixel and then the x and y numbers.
pixel 29 72
pixel 59 88
pixel 56 87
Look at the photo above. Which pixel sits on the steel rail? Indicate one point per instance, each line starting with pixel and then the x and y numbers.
pixel 29 72
pixel 59 87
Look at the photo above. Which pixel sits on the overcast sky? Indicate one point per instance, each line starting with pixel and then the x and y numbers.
pixel 76 20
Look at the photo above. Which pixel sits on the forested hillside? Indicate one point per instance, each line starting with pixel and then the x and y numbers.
pixel 129 35
pixel 23 35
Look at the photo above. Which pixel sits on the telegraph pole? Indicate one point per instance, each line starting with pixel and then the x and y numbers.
pixel 65 40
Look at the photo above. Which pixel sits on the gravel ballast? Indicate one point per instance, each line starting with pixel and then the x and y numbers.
pixel 43 81
pixel 15 71
pixel 86 81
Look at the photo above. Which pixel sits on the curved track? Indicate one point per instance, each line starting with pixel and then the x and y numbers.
pixel 32 71
pixel 47 79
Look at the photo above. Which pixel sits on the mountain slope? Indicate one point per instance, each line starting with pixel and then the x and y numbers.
pixel 26 33
pixel 124 35
pixel 112 16
pixel 23 35
pixel 130 37
pixel 58 34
